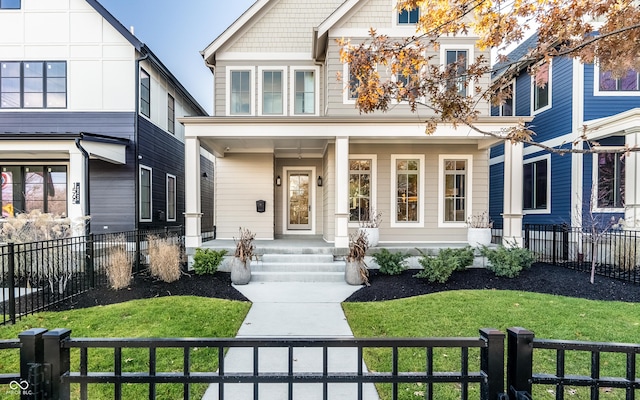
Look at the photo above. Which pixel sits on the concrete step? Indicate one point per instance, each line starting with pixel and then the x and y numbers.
pixel 266 276
pixel 333 266
pixel 297 258
pixel 297 268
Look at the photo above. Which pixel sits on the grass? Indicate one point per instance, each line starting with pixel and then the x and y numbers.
pixel 464 312
pixel 174 316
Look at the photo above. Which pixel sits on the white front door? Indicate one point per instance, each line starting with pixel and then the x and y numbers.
pixel 299 199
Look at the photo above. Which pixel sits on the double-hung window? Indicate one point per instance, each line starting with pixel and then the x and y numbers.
pixel 630 82
pixel 361 187
pixel 304 91
pixel 541 88
pixel 240 92
pixel 457 62
pixel 408 191
pixel 33 84
pixel 610 177
pixel 171 197
pixel 10 4
pixel 535 185
pixel 171 114
pixel 506 109
pixel 145 93
pixel 408 17
pixel 145 194
pixel 272 98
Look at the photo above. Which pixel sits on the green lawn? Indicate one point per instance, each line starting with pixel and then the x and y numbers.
pixel 463 313
pixel 174 316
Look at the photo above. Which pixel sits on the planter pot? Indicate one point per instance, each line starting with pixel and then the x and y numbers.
pixel 373 235
pixel 478 237
pixel 240 273
pixel 352 273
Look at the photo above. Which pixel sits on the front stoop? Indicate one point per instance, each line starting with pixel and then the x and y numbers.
pixel 297 268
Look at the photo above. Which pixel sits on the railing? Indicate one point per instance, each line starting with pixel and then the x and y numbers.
pixel 521 347
pixel 56 347
pixel 38 275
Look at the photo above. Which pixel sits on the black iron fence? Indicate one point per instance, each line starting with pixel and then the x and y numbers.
pixel 50 365
pixel 38 275
pixel 615 253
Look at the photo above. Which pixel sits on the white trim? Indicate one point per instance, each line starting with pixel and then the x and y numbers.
pixel 612 93
pixel 550 87
pixel 594 186
pixel 150 219
pixel 285 95
pixel 547 209
pixel 252 88
pixel 175 197
pixel 441 182
pixel 421 211
pixel 374 179
pixel 496 160
pixel 346 78
pixel 470 48
pixel 292 89
pixel 312 197
pixel 259 55
pixel 567 138
pixel 577 160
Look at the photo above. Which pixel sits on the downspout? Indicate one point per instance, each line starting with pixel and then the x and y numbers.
pixel 87 201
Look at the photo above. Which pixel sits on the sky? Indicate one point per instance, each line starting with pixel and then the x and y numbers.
pixel 176 32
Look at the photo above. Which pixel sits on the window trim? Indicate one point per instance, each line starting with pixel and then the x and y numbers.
pixel 513 101
pixel 547 209
pixel 421 191
pixel 595 194
pixel 394 79
pixel 175 197
pixel 470 57
pixel 171 114
pixel 140 218
pixel 442 158
pixel 45 89
pixel 142 98
pixel 292 89
pixel 549 90
pixel 44 166
pixel 373 180
pixel 395 16
pixel 261 71
pixel 613 93
pixel 252 89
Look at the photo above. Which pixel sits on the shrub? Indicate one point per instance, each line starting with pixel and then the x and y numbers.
pixel 508 261
pixel 206 261
pixel 119 264
pixel 164 259
pixel 391 263
pixel 440 267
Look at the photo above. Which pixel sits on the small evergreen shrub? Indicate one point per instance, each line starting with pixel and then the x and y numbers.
pixel 164 259
pixel 508 261
pixel 391 263
pixel 439 268
pixel 206 261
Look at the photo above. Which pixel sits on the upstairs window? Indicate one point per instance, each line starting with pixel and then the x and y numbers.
pixel 145 93
pixel 541 88
pixel 39 84
pixel 240 92
pixel 506 109
pixel 409 17
pixel 171 114
pixel 10 4
pixel 457 62
pixel 304 92
pixel 272 92
pixel 630 82
pixel 610 180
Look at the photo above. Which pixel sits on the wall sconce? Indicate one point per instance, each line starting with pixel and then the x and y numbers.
pixel 278 181
pixel 319 181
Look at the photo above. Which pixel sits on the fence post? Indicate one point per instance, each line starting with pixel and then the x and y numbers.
pixel 526 236
pixel 31 352
pixel 554 246
pixel 11 282
pixel 565 242
pixel 89 260
pixel 58 357
pixel 137 240
pixel 492 363
pixel 519 360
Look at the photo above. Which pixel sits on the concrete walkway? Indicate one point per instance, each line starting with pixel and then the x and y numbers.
pixel 293 310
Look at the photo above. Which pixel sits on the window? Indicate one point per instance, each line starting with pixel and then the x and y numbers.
pixel 272 93
pixel 33 84
pixel 408 191
pixel 536 184
pixel 171 114
pixel 240 92
pixel 171 197
pixel 409 17
pixel 10 4
pixel 457 61
pixel 627 83
pixel 541 88
pixel 304 92
pixel 145 93
pixel 145 194
pixel 33 187
pixel 360 189
pixel 455 190
pixel 610 180
pixel 506 109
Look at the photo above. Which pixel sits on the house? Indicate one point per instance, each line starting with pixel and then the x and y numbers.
pixel 89 120
pixel 294 157
pixel 574 189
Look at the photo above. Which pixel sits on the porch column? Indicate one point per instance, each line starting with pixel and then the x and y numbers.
pixel 77 191
pixel 631 184
pixel 193 214
pixel 342 193
pixel 512 212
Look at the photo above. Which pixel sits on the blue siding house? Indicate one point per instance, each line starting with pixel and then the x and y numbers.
pixel 579 106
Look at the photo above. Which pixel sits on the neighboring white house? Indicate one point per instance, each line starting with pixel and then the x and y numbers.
pixel 88 119
pixel 285 131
